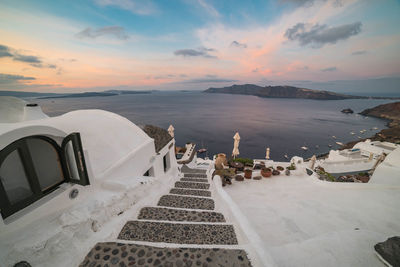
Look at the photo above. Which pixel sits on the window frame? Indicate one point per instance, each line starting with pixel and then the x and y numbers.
pixel 75 138
pixel 6 208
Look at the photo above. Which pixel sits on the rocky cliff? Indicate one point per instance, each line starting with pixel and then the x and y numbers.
pixel 280 92
pixel 390 111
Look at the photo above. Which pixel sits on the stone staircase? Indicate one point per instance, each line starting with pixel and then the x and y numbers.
pixel 184 217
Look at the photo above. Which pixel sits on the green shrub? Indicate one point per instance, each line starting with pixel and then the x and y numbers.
pixel 244 161
pixel 292 167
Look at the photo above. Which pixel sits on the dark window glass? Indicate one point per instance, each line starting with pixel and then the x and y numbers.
pixel 46 163
pixel 14 179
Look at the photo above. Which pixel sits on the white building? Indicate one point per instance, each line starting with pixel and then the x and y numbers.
pixel 52 167
pixel 362 157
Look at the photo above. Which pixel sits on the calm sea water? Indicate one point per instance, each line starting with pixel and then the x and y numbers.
pixel 211 120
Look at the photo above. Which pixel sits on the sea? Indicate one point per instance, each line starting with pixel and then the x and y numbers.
pixel 211 120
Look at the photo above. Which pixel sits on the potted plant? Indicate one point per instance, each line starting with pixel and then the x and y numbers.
pixel 275 172
pixel 266 172
pixel 292 167
pixel 280 168
pixel 247 173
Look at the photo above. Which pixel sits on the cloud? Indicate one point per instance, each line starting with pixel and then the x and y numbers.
pixel 115 31
pixel 206 79
pixel 237 44
pixel 319 35
pixel 359 53
pixel 5 51
pixel 139 7
pixel 34 61
pixel 308 3
pixel 329 69
pixel 26 58
pixel 200 52
pixel 41 65
pixel 209 8
pixel 12 79
pixel 298 2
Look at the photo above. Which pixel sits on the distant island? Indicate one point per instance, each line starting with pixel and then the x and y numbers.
pixel 93 94
pixel 86 94
pixel 283 92
pixel 71 95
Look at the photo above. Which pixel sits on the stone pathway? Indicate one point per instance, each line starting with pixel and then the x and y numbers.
pixel 164 214
pixel 179 191
pixel 119 254
pixel 179 233
pixel 186 217
pixel 177 201
pixel 197 180
pixel 192 185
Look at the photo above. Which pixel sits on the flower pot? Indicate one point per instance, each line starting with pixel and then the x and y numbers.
pixel 258 177
pixel 280 168
pixel 266 172
pixel 247 173
pixel 275 172
pixel 239 178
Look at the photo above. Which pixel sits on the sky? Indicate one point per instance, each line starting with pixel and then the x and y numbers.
pixel 96 45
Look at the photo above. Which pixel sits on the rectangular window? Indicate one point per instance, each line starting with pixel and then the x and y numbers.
pixel 166 162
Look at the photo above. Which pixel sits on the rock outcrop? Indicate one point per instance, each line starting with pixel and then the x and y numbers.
pixel 281 92
pixel 390 250
pixel 347 111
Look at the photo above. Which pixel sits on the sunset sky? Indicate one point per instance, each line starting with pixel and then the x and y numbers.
pixel 96 45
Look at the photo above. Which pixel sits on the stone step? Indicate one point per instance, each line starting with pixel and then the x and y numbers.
pixel 194 175
pixel 197 180
pixel 210 234
pixel 165 214
pixel 184 202
pixel 180 191
pixel 192 185
pixel 186 169
pixel 119 254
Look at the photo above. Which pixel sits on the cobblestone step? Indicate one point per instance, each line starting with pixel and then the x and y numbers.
pixel 195 175
pixel 165 214
pixel 186 169
pixel 192 185
pixel 211 234
pixel 190 192
pixel 176 201
pixel 197 180
pixel 119 254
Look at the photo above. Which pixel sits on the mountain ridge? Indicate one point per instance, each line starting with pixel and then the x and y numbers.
pixel 284 91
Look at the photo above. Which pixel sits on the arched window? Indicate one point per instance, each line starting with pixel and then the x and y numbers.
pixel 34 166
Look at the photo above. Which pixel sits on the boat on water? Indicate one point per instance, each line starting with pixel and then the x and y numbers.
pixel 375 128
pixel 329 145
pixel 359 137
pixel 340 143
pixel 202 150
pixel 352 133
pixel 334 137
pixel 304 148
pixel 286 156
